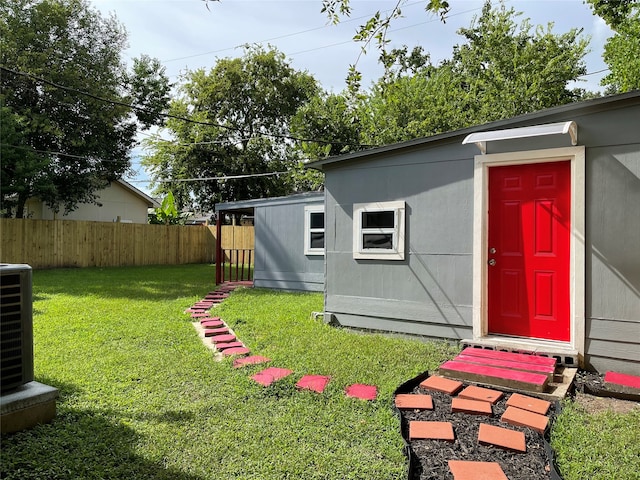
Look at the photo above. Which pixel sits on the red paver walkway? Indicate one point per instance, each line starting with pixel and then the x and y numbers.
pixel 465 470
pixel 524 418
pixel 252 360
pixel 441 384
pixel 269 375
pixel 480 393
pixel 413 401
pixel 361 391
pixel 315 383
pixel 431 431
pixel 525 402
pixel 473 407
pixel 502 437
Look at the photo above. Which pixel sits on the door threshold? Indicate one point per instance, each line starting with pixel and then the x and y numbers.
pixel 562 352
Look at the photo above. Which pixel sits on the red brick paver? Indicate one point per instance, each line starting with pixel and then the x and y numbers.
pixel 224 338
pixel 315 383
pixel 419 430
pixel 252 360
pixel 269 375
pixel 210 319
pixel 363 392
pixel 473 407
pixel 222 346
pixel 535 405
pixel 524 418
pixel 479 393
pixel 413 401
pixel 441 384
pixel 212 323
pixel 502 437
pixel 210 332
pixel 465 470
pixel 235 351
pixel 622 379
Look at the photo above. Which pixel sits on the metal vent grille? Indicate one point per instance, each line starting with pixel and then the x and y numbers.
pixel 16 347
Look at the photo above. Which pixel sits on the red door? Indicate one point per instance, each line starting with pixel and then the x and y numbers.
pixel 529 250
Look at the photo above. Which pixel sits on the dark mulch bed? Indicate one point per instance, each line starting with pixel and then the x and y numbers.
pixel 428 458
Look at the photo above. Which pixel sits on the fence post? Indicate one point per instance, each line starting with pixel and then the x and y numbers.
pixel 219 259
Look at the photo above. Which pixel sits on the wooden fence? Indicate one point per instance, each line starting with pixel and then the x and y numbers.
pixel 68 243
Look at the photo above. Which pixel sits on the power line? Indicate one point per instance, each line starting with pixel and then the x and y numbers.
pixel 169 115
pixel 279 37
pixel 204 179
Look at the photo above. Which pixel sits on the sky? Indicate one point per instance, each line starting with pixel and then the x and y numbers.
pixel 191 34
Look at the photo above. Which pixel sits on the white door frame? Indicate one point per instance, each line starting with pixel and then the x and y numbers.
pixel 482 163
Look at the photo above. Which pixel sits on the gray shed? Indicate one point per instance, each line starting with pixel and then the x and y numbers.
pixel 521 234
pixel 289 240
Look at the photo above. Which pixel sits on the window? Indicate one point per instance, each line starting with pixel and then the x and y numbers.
pixel 314 230
pixel 378 231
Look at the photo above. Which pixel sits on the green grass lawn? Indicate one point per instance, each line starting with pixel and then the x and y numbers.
pixel 142 398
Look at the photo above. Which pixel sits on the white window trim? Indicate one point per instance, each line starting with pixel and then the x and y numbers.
pixel 397 250
pixel 308 210
pixel 576 155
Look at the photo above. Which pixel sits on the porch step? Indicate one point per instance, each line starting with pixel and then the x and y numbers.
pixel 547 370
pixel 564 358
pixel 531 382
pixel 530 359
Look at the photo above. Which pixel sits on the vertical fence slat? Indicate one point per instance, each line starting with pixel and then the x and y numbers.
pixel 70 243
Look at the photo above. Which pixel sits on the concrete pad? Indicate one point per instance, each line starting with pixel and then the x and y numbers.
pixel 27 406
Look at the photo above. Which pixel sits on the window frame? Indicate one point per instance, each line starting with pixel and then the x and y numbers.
pixel 396 252
pixel 308 211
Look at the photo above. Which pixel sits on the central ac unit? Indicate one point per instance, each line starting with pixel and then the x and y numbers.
pixel 16 327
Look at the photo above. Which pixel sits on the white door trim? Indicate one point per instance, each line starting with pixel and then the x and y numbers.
pixel 576 155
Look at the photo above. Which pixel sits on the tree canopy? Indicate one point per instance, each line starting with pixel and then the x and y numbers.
pixel 622 50
pixel 67 128
pixel 233 140
pixel 500 69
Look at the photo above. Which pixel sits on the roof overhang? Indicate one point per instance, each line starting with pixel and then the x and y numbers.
pixel 560 128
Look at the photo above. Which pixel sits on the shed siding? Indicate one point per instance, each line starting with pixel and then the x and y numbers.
pixel 613 256
pixel 280 261
pixel 430 292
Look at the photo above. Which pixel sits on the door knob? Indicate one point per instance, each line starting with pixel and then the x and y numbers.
pixel 492 250
pixel 492 262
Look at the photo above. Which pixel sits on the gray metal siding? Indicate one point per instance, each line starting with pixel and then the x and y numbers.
pixel 279 242
pixel 613 254
pixel 430 292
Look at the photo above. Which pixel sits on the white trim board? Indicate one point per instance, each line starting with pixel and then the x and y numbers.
pixel 482 163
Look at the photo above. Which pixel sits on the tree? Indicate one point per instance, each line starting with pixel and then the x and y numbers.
pixel 501 70
pixel 67 129
pixel 622 50
pixel 235 123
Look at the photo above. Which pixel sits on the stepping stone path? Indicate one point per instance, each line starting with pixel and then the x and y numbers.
pixel 225 342
pixel 269 375
pixel 521 411
pixel 315 383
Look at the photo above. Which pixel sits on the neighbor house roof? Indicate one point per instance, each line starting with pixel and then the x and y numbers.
pixel 596 104
pixel 151 202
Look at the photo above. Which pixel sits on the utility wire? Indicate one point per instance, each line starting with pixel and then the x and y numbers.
pixel 204 179
pixel 169 115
